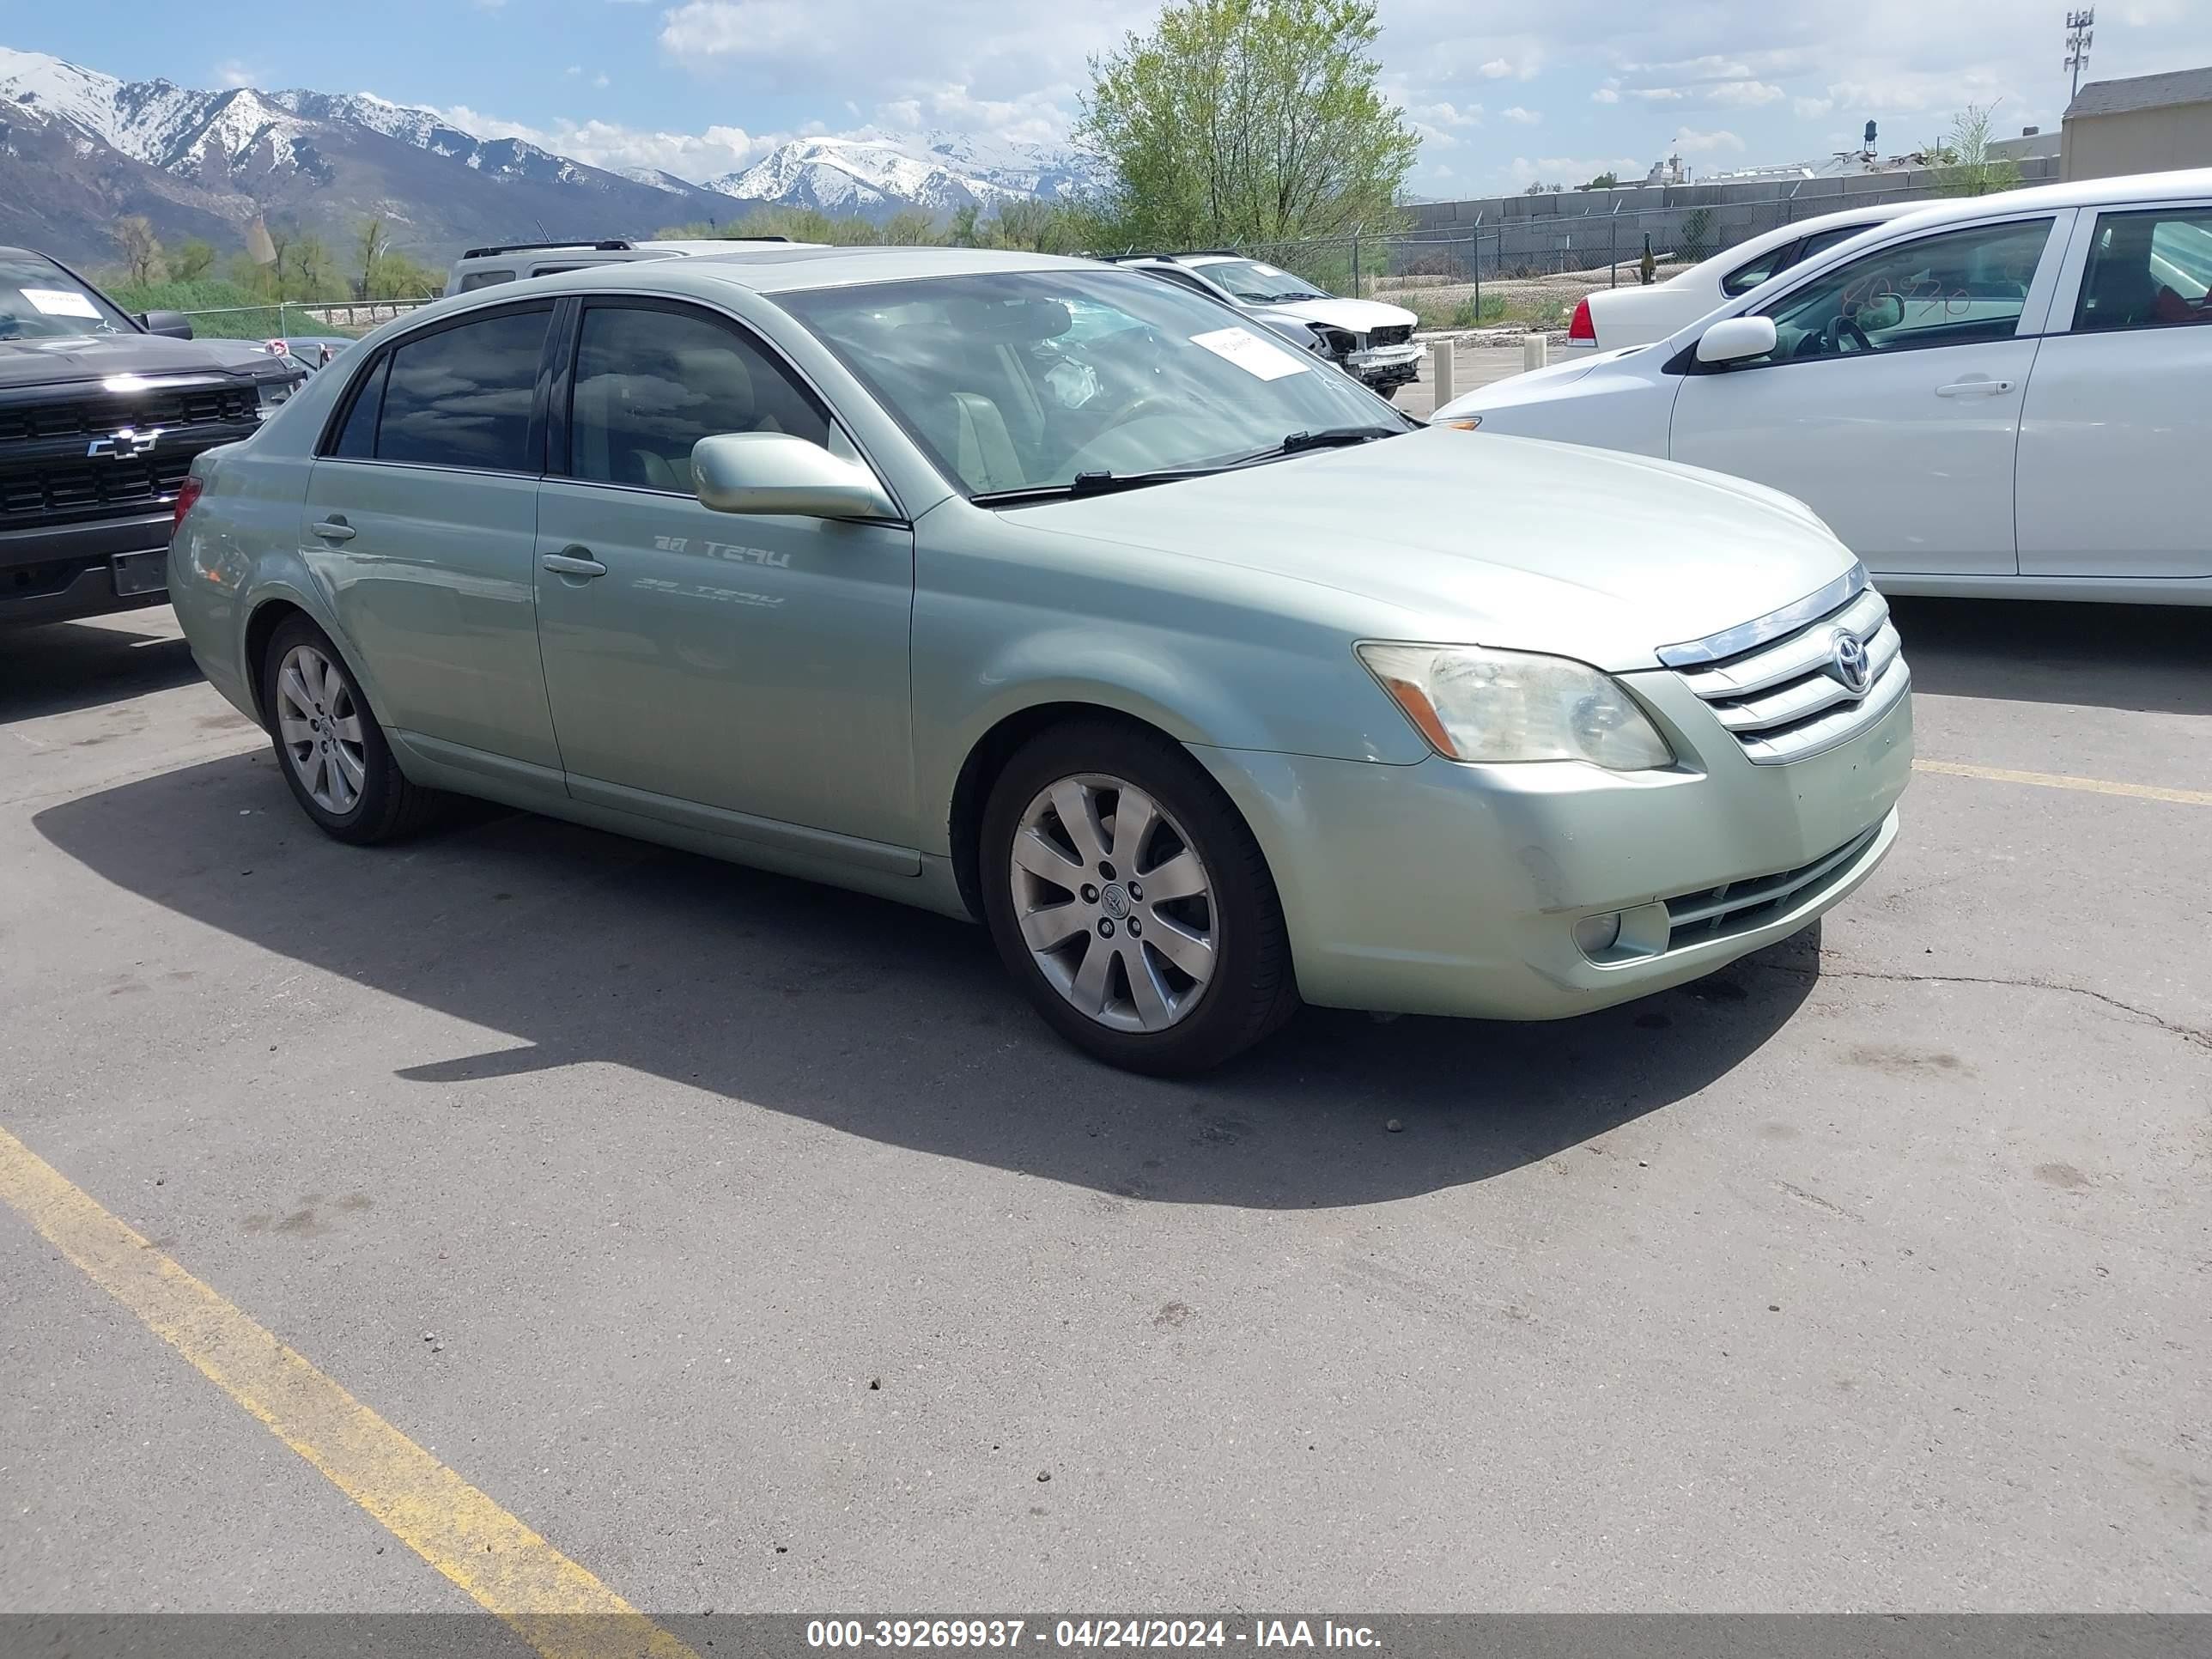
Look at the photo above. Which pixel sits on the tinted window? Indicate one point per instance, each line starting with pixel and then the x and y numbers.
pixel 39 300
pixel 1744 278
pixel 461 397
pixel 1961 287
pixel 2148 271
pixel 1823 241
pixel 357 438
pixel 651 383
pixel 476 279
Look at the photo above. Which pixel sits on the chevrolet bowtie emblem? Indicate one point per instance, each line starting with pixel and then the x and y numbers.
pixel 129 442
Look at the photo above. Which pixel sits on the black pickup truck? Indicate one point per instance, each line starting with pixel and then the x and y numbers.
pixel 100 415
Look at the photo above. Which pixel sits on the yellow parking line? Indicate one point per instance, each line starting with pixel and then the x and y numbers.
pixel 2056 780
pixel 552 1602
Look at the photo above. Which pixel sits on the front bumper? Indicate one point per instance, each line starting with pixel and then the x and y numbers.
pixel 53 573
pixel 1386 366
pixel 1447 888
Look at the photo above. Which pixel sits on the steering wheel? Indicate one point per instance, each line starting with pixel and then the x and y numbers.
pixel 1843 328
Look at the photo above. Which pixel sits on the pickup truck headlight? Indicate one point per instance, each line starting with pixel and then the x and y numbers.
pixel 1475 704
pixel 274 394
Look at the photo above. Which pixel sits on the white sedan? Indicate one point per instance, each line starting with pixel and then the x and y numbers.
pixel 2000 395
pixel 1636 315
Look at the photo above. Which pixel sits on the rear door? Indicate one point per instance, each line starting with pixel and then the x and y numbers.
pixel 1891 404
pixel 422 519
pixel 2114 435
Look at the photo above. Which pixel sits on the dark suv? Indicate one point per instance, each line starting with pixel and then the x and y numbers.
pixel 100 415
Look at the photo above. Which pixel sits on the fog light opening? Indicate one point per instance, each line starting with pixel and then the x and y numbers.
pixel 1597 935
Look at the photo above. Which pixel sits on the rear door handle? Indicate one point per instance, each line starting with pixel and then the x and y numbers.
pixel 1973 388
pixel 334 529
pixel 575 562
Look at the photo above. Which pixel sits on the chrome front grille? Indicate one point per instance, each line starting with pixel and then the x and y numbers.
pixel 1737 907
pixel 1779 685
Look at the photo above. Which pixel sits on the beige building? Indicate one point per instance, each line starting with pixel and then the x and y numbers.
pixel 2146 123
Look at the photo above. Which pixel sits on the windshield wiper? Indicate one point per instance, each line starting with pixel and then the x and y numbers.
pixel 1336 437
pixel 1089 483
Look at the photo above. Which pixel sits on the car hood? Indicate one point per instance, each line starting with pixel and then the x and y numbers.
pixel 96 356
pixel 1467 538
pixel 1359 316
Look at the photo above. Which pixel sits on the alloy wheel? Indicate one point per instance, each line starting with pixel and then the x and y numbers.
pixel 318 725
pixel 1114 903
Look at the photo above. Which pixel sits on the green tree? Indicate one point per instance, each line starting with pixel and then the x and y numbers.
pixel 142 249
pixel 1963 164
pixel 192 261
pixel 1604 181
pixel 1247 120
pixel 964 233
pixel 371 246
pixel 909 228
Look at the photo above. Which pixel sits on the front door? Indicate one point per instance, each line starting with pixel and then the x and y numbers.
pixel 422 519
pixel 1890 403
pixel 2112 441
pixel 754 665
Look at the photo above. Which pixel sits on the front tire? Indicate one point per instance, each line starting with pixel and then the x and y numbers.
pixel 329 746
pixel 1131 902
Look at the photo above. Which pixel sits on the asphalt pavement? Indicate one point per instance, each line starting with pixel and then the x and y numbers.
pixel 753 1245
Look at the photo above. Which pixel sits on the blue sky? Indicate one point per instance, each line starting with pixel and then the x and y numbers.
pixel 1557 89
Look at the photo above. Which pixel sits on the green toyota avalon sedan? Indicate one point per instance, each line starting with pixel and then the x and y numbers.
pixel 1051 595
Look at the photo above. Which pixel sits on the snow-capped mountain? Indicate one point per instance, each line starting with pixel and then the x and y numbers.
pixel 79 148
pixel 877 174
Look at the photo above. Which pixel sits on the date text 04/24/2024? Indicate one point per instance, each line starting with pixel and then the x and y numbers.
pixel 1088 1633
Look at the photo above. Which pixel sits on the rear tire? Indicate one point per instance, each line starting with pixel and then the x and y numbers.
pixel 1171 982
pixel 332 753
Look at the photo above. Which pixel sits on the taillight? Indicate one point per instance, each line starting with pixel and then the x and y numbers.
pixel 1580 327
pixel 187 492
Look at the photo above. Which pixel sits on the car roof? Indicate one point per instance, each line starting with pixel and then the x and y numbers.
pixel 2178 185
pixel 788 269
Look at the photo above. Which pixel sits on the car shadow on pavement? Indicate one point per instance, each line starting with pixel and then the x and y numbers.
pixel 2144 658
pixel 879 1020
pixel 68 666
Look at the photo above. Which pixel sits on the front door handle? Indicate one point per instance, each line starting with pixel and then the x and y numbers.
pixel 334 529
pixel 574 562
pixel 1973 388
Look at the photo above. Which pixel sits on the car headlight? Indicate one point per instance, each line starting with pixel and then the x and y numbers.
pixel 275 393
pixel 1475 704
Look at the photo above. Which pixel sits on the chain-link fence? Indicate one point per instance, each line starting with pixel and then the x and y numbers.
pixel 288 318
pixel 1531 270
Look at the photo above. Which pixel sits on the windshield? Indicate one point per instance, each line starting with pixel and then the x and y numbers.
pixel 39 300
pixel 1258 284
pixel 1025 380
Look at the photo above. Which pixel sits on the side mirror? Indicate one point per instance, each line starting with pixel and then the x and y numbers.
pixel 173 324
pixel 1884 311
pixel 1735 339
pixel 774 472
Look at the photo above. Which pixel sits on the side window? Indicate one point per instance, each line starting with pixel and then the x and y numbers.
pixel 1960 287
pixel 2148 271
pixel 476 279
pixel 1821 241
pixel 650 383
pixel 1181 279
pixel 356 439
pixel 1744 278
pixel 461 397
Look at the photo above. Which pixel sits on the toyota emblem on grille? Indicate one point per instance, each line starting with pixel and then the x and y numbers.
pixel 1852 667
pixel 123 445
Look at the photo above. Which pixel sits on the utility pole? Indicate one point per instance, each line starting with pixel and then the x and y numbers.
pixel 2078 25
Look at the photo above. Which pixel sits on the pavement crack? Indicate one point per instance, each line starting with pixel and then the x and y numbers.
pixel 2190 1034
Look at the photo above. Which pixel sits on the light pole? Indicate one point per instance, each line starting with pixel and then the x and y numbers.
pixel 2078 25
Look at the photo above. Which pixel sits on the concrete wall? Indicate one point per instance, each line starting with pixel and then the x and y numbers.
pixel 1581 228
pixel 2138 141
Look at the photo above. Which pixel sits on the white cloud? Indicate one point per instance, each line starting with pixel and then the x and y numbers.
pixel 696 156
pixel 1811 109
pixel 599 80
pixel 1447 115
pixel 1742 95
pixel 1690 142
pixel 574 69
pixel 231 72
pixel 1527 117
pixel 1608 93
pixel 1497 69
